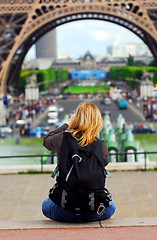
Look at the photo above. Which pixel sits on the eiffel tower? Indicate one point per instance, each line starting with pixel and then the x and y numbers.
pixel 23 22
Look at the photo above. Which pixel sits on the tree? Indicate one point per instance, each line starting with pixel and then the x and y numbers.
pixel 130 61
pixel 153 63
pixel 140 63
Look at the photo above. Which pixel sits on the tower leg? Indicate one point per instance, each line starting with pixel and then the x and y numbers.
pixel 3 111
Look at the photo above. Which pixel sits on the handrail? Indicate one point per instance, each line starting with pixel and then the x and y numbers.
pixel 54 154
pixel 33 155
pixel 145 153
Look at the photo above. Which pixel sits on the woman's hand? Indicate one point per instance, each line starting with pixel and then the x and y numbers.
pixel 71 119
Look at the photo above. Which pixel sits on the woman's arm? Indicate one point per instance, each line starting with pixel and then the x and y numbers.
pixel 105 151
pixel 53 140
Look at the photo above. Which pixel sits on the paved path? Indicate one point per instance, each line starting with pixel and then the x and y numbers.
pixel 21 196
pixel 135 194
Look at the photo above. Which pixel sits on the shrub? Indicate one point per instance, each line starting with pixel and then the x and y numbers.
pixel 48 76
pixel 122 73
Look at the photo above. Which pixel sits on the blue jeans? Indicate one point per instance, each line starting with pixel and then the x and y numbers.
pixel 54 212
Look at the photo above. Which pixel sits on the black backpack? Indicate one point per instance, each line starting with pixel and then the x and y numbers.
pixel 81 177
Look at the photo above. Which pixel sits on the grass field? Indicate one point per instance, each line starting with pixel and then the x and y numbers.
pixel 147 141
pixel 85 89
pixel 23 141
pixel 26 146
pixel 149 144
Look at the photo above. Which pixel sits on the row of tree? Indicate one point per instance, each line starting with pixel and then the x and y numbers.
pixel 133 71
pixel 47 77
pixel 139 63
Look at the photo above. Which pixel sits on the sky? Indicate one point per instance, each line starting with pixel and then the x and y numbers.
pixel 78 37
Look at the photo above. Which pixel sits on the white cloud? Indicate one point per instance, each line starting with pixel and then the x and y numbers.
pixel 118 37
pixel 100 35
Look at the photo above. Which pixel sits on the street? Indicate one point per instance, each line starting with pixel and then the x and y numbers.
pixel 71 104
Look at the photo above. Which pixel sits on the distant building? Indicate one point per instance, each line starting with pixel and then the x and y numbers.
pixel 109 50
pixel 130 49
pixel 88 61
pixel 68 63
pixel 136 49
pixel 46 46
pixel 113 50
pixel 142 50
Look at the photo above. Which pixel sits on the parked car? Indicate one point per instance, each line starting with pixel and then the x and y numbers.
pixel 45 126
pixel 122 104
pixel 52 111
pixel 64 97
pixel 3 135
pixel 20 123
pixel 107 101
pixel 106 112
pixel 142 129
pixel 52 114
pixel 33 132
pixel 52 120
pixel 6 129
pixel 60 109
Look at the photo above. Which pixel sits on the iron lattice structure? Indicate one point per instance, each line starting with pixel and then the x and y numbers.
pixel 23 22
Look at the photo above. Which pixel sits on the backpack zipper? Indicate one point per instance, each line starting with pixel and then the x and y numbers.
pixel 67 176
pixel 76 155
pixel 80 159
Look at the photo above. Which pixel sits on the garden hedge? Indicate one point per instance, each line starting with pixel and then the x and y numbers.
pixel 124 72
pixel 50 76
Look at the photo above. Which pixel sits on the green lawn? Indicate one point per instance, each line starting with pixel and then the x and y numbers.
pixel 24 141
pixel 85 89
pixel 149 143
pixel 26 146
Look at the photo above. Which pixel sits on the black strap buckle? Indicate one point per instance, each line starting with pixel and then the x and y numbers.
pixel 63 199
pixel 55 172
pixel 91 202
pixel 100 209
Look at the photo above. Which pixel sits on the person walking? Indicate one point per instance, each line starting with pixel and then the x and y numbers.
pixel 79 194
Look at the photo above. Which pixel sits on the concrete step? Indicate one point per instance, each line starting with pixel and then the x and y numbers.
pixel 112 222
pixel 119 166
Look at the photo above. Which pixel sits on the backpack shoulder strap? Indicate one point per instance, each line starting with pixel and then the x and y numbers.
pixel 70 145
pixel 55 172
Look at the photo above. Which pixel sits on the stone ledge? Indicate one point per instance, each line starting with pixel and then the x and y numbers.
pixel 38 224
pixel 119 166
pixel 46 224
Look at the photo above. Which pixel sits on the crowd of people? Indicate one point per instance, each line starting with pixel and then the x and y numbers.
pixel 147 105
pixel 25 113
pixel 150 109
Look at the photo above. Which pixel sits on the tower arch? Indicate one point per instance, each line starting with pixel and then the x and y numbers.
pixel 23 22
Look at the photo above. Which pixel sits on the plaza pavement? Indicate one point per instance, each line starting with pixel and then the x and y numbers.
pixel 21 196
pixel 134 192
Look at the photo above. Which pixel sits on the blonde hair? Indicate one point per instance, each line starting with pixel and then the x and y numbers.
pixel 88 121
